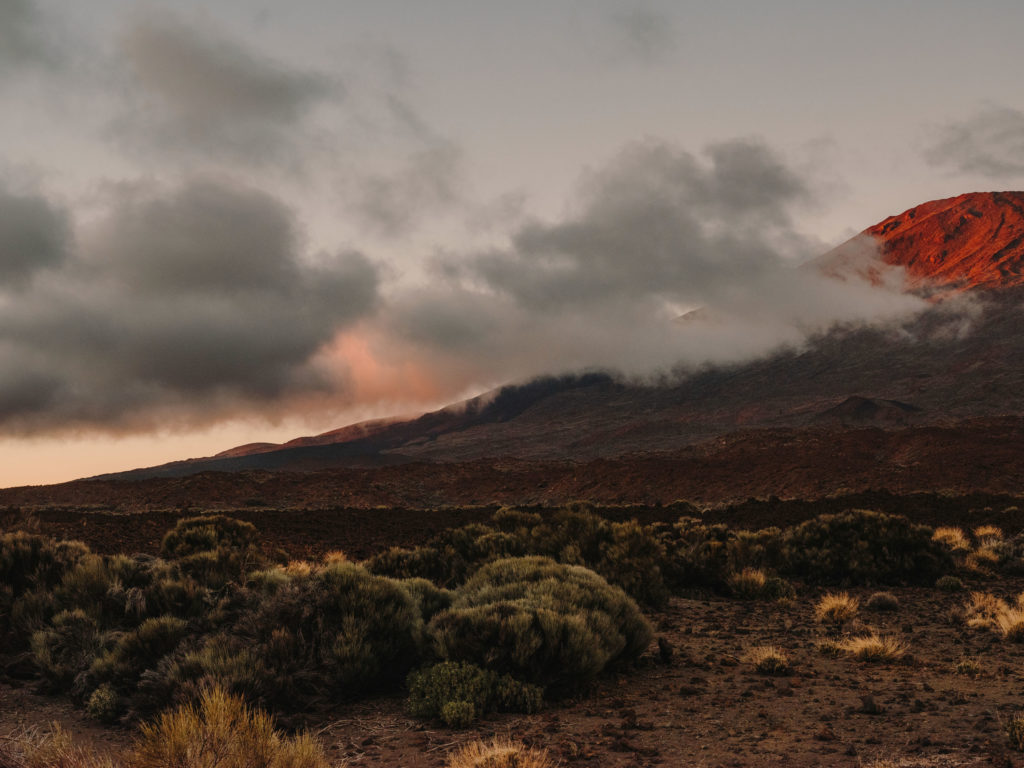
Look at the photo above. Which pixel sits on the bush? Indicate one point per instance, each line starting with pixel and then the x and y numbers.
pixel 104 704
pixel 949 584
pixel 541 621
pixel 136 651
pixel 329 635
pixel 207 533
pixel 475 691
pixel 29 561
pixel 882 602
pixel 223 732
pixel 863 547
pixel 66 648
pixel 755 584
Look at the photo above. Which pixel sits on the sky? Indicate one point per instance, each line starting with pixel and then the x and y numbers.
pixel 246 221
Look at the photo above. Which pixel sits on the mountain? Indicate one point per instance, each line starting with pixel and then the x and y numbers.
pixel 959 363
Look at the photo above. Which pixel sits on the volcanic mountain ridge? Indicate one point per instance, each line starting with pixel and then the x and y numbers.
pixel 937 370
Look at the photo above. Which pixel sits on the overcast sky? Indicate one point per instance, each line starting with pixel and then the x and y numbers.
pixel 239 221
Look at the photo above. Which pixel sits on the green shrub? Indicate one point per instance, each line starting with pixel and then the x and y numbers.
pixel 136 651
pixel 540 621
pixel 104 704
pixel 755 584
pixel 860 547
pixel 472 692
pixel 419 563
pixel 431 599
pixel 66 648
pixel 29 561
pixel 207 533
pixel 882 601
pixel 949 584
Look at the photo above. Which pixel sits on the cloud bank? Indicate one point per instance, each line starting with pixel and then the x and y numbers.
pixel 183 305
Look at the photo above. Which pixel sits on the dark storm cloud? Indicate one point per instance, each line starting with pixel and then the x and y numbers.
pixel 657 233
pixel 208 93
pixel 33 237
pixel 24 41
pixel 180 305
pixel 990 143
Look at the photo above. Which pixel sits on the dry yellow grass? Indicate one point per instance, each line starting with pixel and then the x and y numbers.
pixel 874 648
pixel 982 559
pixel 222 732
pixel 953 538
pixel 836 608
pixel 1010 624
pixel 983 609
pixel 987 535
pixel 1015 731
pixel 768 660
pixel 53 749
pixel 335 556
pixel 749 581
pixel 499 753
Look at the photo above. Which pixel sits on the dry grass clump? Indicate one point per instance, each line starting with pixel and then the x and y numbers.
pixel 499 753
pixel 952 538
pixel 982 559
pixel 768 660
pixel 986 611
pixel 829 647
pixel 1015 731
pixel 223 732
pixel 874 648
pixel 988 535
pixel 54 749
pixel 882 601
pixel 949 583
pixel 836 608
pixel 756 584
pixel 968 666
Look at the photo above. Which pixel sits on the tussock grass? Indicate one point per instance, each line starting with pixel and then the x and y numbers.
pixel 223 732
pixel 836 608
pixel 499 753
pixel 882 601
pixel 952 538
pixel 968 667
pixel 988 535
pixel 53 749
pixel 874 648
pixel 768 660
pixel 986 611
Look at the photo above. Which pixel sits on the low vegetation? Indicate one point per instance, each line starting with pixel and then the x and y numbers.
pixel 768 660
pixel 873 648
pixel 836 608
pixel 499 753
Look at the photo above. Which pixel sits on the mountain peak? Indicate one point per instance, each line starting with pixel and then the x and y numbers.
pixel 974 240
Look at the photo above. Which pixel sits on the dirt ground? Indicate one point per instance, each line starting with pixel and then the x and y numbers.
pixel 706 706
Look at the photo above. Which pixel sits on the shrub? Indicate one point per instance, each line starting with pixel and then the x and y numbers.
pixel 430 599
pixel 332 634
pixel 861 547
pixel 983 609
pixel 66 648
pixel 498 753
pixel 882 602
pixel 136 651
pixel 207 533
pixel 419 563
pixel 104 704
pixel 949 583
pixel 223 732
pixel 755 584
pixel 477 691
pixel 874 648
pixel 768 660
pixel 28 560
pixel 836 608
pixel 541 621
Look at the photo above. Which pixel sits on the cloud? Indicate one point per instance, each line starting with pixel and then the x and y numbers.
pixel 990 143
pixel 657 234
pixel 181 305
pixel 33 237
pixel 24 39
pixel 644 34
pixel 207 93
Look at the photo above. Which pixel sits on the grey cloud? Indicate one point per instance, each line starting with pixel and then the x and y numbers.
pixel 24 42
pixel 209 93
pixel 33 237
pixel 646 34
pixel 990 143
pixel 656 233
pixel 180 305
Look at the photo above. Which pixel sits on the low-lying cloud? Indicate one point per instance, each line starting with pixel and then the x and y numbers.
pixel 25 42
pixel 670 261
pixel 990 143
pixel 182 305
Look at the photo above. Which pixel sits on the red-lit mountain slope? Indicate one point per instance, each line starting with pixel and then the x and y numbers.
pixel 971 241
